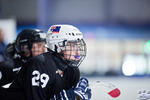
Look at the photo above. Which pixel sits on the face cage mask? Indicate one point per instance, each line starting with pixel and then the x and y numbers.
pixel 73 52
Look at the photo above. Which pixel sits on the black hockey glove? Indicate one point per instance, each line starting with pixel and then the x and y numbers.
pixel 10 51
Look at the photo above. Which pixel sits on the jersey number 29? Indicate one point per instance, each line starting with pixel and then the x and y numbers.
pixel 39 79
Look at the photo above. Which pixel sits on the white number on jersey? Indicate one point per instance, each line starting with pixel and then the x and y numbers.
pixel 39 78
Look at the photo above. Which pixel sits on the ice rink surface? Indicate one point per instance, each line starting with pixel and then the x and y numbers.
pixel 129 87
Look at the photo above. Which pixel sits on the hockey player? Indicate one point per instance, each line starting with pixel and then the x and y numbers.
pixel 34 40
pixel 65 39
pixel 14 61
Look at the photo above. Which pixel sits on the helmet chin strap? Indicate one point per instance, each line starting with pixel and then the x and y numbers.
pixel 56 49
pixel 73 63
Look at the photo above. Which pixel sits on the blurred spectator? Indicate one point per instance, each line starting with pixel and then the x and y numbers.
pixel 2 45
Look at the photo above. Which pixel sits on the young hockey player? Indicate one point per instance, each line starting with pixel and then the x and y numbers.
pixel 67 41
pixel 14 61
pixel 32 43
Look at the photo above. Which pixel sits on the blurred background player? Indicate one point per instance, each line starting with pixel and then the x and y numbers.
pixel 14 61
pixel 2 45
pixel 35 40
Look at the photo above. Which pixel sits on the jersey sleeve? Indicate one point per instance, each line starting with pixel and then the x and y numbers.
pixel 6 71
pixel 71 77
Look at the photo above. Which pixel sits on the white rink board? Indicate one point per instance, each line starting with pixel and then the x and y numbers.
pixel 129 87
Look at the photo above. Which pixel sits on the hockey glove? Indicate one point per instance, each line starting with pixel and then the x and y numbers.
pixel 82 90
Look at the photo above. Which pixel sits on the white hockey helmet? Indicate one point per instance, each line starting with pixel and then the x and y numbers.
pixel 59 35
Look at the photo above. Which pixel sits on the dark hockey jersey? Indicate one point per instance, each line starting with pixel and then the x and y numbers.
pixel 7 74
pixel 38 78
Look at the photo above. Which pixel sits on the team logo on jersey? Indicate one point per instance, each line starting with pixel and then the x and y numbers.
pixel 55 29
